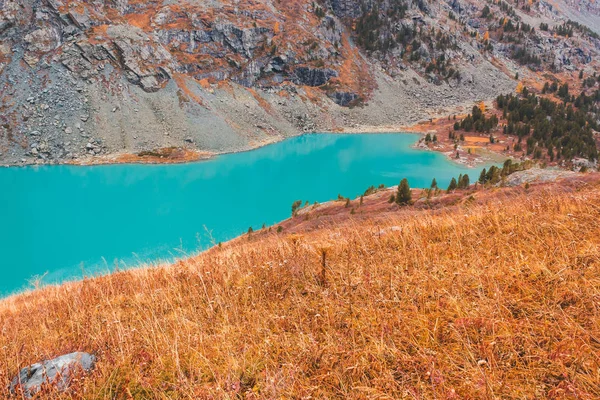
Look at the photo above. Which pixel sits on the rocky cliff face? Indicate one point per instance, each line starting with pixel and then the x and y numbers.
pixel 83 78
pixel 348 8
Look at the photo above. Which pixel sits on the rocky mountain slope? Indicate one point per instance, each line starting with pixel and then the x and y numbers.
pixel 82 80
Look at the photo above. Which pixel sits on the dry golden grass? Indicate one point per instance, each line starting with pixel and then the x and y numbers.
pixel 487 301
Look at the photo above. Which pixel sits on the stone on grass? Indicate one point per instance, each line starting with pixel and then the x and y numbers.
pixel 59 372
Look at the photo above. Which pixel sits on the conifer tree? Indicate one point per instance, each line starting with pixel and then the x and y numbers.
pixel 453 185
pixel 482 176
pixel 464 182
pixel 404 194
pixel 295 206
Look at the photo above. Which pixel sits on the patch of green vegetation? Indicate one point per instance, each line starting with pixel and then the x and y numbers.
pixel 477 122
pixel 564 130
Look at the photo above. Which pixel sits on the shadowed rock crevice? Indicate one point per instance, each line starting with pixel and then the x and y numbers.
pixel 313 76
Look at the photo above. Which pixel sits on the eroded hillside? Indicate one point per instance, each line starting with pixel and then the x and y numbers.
pixel 83 79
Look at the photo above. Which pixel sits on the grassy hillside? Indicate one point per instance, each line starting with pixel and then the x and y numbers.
pixel 497 296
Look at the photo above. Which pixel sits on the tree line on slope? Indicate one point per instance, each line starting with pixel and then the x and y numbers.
pixel 488 177
pixel 563 130
pixel 383 26
pixel 556 130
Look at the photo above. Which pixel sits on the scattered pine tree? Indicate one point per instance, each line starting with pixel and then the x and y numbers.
pixel 404 195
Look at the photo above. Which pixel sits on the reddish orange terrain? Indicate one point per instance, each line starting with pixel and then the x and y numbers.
pixel 474 144
pixel 290 22
pixel 376 205
pixel 168 155
pixel 479 294
pixel 469 146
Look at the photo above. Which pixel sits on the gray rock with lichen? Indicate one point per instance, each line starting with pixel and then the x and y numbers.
pixel 59 372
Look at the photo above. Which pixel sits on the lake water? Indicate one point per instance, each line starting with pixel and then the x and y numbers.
pixel 64 221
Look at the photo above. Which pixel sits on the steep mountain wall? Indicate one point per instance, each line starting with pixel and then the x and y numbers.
pixel 83 79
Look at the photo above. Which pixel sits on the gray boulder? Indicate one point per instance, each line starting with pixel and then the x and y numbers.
pixel 59 371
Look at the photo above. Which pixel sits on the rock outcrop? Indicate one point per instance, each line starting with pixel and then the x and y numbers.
pixel 346 8
pixel 313 76
pixel 344 99
pixel 58 372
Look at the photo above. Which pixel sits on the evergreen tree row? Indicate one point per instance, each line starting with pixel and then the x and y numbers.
pixel 563 130
pixel 477 121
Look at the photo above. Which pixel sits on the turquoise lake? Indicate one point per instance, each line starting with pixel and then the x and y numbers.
pixel 66 221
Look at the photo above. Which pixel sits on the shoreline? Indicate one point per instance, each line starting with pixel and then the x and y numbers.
pixel 194 156
pixel 292 228
pixel 431 125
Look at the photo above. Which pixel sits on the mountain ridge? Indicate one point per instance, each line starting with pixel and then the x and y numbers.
pixel 84 80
